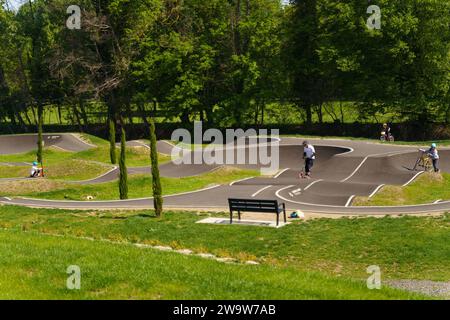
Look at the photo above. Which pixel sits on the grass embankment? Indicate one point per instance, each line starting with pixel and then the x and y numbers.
pixel 88 164
pixel 61 169
pixel 427 188
pixel 139 186
pixel 33 266
pixel 404 248
pixel 123 272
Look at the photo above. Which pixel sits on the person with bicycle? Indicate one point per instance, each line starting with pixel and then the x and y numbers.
pixel 433 154
pixel 386 133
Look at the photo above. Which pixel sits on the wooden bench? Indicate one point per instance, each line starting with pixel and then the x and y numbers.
pixel 254 205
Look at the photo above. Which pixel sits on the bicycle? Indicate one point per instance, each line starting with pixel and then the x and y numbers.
pixel 424 161
pixel 390 137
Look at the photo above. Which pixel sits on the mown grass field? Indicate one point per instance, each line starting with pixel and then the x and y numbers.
pixel 427 188
pixel 404 248
pixel 33 265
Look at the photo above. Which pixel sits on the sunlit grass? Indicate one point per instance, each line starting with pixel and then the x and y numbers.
pixel 427 188
pixel 141 186
pixel 34 267
pixel 404 248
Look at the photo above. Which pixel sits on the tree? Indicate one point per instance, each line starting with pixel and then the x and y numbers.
pixel 112 140
pixel 123 173
pixel 402 67
pixel 40 143
pixel 156 180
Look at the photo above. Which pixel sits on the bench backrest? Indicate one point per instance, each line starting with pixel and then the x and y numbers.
pixel 253 205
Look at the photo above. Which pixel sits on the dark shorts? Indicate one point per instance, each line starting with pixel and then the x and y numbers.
pixel 309 163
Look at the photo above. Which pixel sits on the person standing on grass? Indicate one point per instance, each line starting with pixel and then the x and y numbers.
pixel 434 156
pixel 309 155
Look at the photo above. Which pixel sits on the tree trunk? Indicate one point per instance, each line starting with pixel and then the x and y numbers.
pixel 83 113
pixel 59 114
pixel 40 143
pixel 319 113
pixel 156 180
pixel 308 110
pixel 262 114
pixel 112 140
pixel 77 118
pixel 128 108
pixel 123 173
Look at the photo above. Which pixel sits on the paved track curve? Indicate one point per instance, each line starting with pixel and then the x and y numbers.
pixel 343 169
pixel 13 144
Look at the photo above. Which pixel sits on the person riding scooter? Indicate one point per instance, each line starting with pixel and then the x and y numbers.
pixel 309 155
pixel 35 170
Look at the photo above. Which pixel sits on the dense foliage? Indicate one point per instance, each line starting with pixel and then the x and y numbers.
pixel 227 62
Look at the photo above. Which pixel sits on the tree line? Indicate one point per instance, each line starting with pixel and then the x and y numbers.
pixel 224 61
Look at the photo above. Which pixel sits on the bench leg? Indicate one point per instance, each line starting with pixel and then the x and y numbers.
pixel 239 215
pixel 231 217
pixel 284 212
pixel 278 219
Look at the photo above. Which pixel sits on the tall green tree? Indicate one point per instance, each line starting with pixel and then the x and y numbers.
pixel 40 142
pixel 402 68
pixel 156 180
pixel 123 171
pixel 112 140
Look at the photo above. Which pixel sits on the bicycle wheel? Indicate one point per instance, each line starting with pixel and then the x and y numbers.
pixel 428 166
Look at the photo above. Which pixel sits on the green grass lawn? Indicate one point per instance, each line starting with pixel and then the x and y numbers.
pixel 427 188
pixel 139 186
pixel 404 248
pixel 34 267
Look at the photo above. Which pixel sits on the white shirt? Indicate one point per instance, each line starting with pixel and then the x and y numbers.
pixel 433 153
pixel 34 169
pixel 309 152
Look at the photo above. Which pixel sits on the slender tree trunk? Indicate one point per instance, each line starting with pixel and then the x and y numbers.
pixel 83 113
pixel 255 120
pixel 40 143
pixel 123 173
pixel 112 140
pixel 319 113
pixel 141 109
pixel 130 113
pixel 77 118
pixel 308 114
pixel 341 110
pixel 156 180
pixel 27 116
pixel 262 113
pixel 59 114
